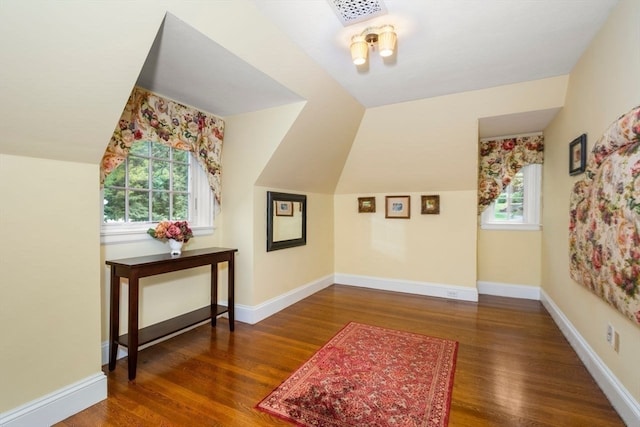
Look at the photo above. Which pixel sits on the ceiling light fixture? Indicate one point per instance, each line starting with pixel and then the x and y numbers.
pixel 384 36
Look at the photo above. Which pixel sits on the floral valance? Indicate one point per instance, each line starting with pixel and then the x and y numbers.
pixel 501 160
pixel 604 218
pixel 150 117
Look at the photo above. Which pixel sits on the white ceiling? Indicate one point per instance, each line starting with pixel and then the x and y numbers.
pixel 444 47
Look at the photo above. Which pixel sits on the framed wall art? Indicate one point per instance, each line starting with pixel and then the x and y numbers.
pixel 397 207
pixel 366 204
pixel 578 155
pixel 430 205
pixel 284 208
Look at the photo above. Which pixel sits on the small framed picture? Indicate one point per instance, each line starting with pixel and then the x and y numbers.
pixel 284 208
pixel 397 207
pixel 430 205
pixel 578 155
pixel 366 204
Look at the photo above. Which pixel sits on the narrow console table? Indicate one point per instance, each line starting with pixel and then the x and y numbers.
pixel 138 267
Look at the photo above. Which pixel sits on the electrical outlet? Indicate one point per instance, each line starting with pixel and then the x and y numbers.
pixel 616 341
pixel 610 334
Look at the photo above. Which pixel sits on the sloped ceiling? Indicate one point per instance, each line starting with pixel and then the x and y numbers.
pixel 64 84
pixel 185 65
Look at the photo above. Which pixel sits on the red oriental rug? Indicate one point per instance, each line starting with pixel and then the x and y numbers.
pixel 370 376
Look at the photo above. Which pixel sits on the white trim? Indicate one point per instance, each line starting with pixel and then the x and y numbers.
pixel 254 314
pixel 139 234
pixel 627 407
pixel 463 293
pixel 59 405
pixel 509 290
pixel 506 226
pixel 201 205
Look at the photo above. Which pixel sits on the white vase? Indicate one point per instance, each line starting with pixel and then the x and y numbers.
pixel 176 247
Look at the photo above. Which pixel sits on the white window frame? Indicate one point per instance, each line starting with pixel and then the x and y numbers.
pixel 201 207
pixel 532 175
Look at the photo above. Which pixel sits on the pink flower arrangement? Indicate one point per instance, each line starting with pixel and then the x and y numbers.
pixel 176 230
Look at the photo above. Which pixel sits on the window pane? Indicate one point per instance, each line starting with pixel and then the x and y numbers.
pixel 138 172
pixel 180 176
pixel 500 207
pixel 140 148
pixel 180 206
pixel 161 175
pixel 160 151
pixel 117 177
pixel 138 206
pixel 113 205
pixel 157 187
pixel 181 156
pixel 160 206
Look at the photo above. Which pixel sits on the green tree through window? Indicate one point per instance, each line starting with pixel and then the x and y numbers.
pixel 151 185
pixel 510 204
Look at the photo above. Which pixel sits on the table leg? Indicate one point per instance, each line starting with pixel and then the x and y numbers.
pixel 231 292
pixel 214 293
pixel 114 318
pixel 133 326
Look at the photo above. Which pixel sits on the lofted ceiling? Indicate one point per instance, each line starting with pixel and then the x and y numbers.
pixel 444 47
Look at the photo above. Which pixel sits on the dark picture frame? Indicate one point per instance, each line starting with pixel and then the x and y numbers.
pixel 366 204
pixel 578 155
pixel 273 200
pixel 397 207
pixel 430 205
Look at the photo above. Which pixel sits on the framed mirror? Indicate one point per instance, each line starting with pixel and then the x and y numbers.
pixel 286 220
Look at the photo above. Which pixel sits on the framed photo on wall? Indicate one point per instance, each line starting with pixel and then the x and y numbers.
pixel 366 204
pixel 430 205
pixel 397 207
pixel 578 155
pixel 284 208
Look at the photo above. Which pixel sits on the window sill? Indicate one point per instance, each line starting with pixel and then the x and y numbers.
pixel 513 227
pixel 140 234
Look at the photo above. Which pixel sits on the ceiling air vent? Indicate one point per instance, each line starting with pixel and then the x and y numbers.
pixel 354 11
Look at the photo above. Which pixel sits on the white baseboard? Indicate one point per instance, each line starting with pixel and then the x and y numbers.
pixel 59 405
pixel 509 290
pixel 411 287
pixel 254 314
pixel 627 407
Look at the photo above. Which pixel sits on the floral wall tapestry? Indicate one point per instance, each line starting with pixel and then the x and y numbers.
pixel 150 117
pixel 501 160
pixel 604 244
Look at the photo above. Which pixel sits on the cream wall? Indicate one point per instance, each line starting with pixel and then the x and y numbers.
pixel 509 257
pixel 429 146
pixel 49 303
pixel 282 271
pixel 77 105
pixel 602 86
pixel 424 248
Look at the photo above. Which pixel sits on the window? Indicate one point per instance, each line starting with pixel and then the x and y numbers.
pixel 518 206
pixel 154 183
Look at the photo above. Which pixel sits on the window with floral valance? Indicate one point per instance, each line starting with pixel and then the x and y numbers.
pixel 501 159
pixel 148 116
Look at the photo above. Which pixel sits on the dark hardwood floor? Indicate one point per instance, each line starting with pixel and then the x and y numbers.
pixel 514 367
